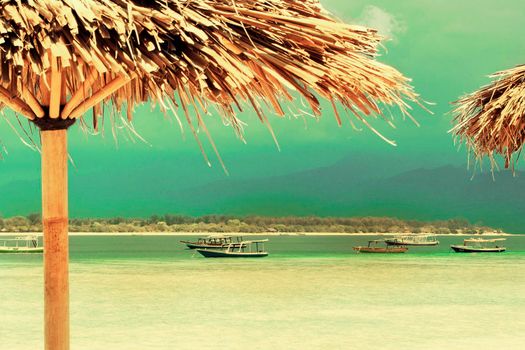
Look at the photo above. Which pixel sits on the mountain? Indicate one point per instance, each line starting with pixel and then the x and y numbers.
pixel 425 194
pixel 351 187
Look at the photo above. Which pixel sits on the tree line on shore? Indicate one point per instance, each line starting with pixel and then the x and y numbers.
pixel 250 224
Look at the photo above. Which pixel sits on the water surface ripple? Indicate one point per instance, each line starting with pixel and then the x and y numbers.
pixel 148 292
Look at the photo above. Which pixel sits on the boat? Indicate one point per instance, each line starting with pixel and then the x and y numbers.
pixel 418 240
pixel 373 247
pixel 26 244
pixel 214 241
pixel 243 250
pixel 479 245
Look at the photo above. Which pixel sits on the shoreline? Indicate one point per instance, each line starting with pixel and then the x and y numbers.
pixel 270 234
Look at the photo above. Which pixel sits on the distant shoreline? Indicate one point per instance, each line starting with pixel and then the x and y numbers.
pixel 180 225
pixel 272 234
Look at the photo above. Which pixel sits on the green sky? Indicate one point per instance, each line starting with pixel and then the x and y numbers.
pixel 447 47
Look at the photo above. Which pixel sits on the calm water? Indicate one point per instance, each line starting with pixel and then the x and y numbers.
pixel 310 293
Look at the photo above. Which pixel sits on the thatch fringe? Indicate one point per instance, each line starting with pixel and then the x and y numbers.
pixel 492 120
pixel 190 54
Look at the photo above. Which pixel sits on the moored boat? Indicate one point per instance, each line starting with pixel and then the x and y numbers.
pixel 214 241
pixel 373 247
pixel 244 250
pixel 418 240
pixel 26 244
pixel 479 245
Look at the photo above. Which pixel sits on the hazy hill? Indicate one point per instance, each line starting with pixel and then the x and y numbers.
pixel 351 187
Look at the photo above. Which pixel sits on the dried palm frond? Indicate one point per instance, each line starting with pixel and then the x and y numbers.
pixel 492 120
pixel 189 54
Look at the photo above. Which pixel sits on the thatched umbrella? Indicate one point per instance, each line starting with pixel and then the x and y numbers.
pixel 61 58
pixel 492 120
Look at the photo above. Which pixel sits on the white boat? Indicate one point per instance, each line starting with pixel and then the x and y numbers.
pixel 420 240
pixel 214 241
pixel 234 250
pixel 25 244
pixel 479 245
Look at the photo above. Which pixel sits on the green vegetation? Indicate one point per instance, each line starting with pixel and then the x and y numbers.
pixel 250 224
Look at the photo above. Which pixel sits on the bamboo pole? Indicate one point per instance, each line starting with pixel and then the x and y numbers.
pixel 80 94
pixel 30 99
pixel 100 95
pixel 55 220
pixel 45 85
pixel 16 104
pixel 56 89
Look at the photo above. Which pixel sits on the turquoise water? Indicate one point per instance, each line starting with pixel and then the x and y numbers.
pixel 148 292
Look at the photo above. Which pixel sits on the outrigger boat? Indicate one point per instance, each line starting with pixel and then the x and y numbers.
pixel 243 250
pixel 374 248
pixel 216 241
pixel 27 244
pixel 419 240
pixel 479 245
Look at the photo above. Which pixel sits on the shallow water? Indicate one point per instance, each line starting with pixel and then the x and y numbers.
pixel 148 292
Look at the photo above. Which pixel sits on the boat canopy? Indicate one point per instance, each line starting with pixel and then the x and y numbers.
pixel 255 241
pixel 414 235
pixel 481 240
pixel 20 238
pixel 221 236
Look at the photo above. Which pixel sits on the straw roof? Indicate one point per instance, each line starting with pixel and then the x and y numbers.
pixel 492 120
pixel 190 54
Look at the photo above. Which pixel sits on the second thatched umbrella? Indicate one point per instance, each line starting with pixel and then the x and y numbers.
pixel 61 58
pixel 492 120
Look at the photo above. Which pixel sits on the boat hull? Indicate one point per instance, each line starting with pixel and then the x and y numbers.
pixel 214 253
pixel 467 249
pixel 192 245
pixel 379 250
pixel 402 243
pixel 14 250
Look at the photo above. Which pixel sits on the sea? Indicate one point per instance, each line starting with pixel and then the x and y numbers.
pixel 311 292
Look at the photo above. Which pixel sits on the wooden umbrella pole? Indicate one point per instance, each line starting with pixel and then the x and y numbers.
pixel 53 133
pixel 56 249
